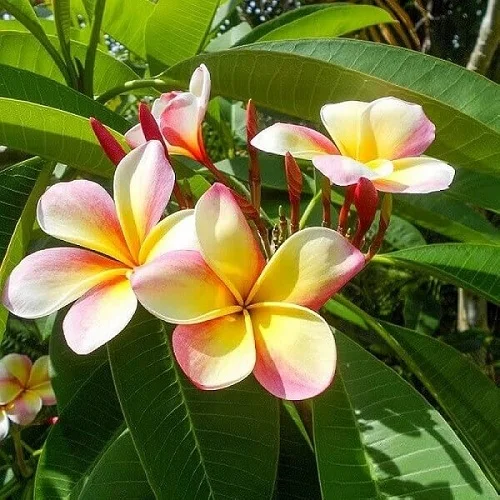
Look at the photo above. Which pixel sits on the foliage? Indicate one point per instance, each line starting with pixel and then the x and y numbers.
pixel 408 415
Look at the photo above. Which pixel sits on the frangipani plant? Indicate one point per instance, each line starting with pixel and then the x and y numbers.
pixel 24 388
pixel 117 236
pixel 133 422
pixel 239 315
pixel 381 141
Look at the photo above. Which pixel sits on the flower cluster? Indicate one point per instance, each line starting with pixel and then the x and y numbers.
pixel 24 388
pixel 239 308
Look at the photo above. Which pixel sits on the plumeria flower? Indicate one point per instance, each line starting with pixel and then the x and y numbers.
pixel 381 141
pixel 180 116
pixel 117 236
pixel 236 314
pixel 24 388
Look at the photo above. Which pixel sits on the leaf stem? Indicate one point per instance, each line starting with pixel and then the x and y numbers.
pixel 88 78
pixel 309 209
pixel 155 83
pixel 18 448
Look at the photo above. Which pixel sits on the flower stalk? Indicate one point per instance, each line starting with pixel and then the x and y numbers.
pixel 325 201
pixel 254 167
pixel 385 219
pixel 294 183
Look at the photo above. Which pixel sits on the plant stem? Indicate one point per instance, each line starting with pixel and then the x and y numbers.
pixel 155 83
pixel 488 39
pixel 88 78
pixel 18 448
pixel 309 209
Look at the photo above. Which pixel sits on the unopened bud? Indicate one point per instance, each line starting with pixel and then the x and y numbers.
pixel 113 149
pixel 366 201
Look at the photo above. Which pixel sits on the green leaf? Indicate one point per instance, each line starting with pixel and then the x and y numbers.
pixel 470 399
pixel 298 77
pixel 24 52
pixel 445 215
pixel 403 234
pixel 229 38
pixel 192 443
pixel 90 421
pixel 24 13
pixel 117 474
pixel 477 188
pixel 377 437
pixel 31 122
pixel 475 267
pixel 62 18
pixel 188 24
pixel 126 20
pixel 318 21
pixel 21 186
pixel 297 472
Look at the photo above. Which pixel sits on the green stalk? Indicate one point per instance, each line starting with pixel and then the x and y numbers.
pixel 88 78
pixel 155 83
pixel 64 41
pixel 308 211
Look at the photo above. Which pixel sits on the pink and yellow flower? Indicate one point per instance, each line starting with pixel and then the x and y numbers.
pixel 381 141
pixel 236 314
pixel 24 388
pixel 117 236
pixel 180 116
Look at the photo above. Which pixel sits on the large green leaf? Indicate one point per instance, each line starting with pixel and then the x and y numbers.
pixel 318 21
pixel 20 188
pixel 475 267
pixel 376 437
pixel 188 23
pixel 297 473
pixel 90 421
pixel 23 51
pixel 33 121
pixel 470 399
pixel 117 474
pixel 448 216
pixel 193 444
pixel 126 20
pixel 297 78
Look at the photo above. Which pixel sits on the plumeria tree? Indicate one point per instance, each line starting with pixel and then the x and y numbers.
pixel 221 201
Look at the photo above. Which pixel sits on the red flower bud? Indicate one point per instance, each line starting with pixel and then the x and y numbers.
pixel 109 144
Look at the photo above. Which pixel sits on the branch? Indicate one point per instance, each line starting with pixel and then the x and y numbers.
pixel 487 40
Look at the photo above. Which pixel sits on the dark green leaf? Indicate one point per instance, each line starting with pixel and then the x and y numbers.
pixel 376 437
pixel 475 267
pixel 470 399
pixel 193 444
pixel 20 187
pixel 298 77
pixel 90 421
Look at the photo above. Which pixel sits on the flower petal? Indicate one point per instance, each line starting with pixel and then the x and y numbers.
pixel 342 120
pixel 199 86
pixel 386 128
pixel 135 136
pixel 308 269
pixel 25 408
pixel 301 142
pixel 179 287
pixel 48 280
pixel 101 314
pixel 16 365
pixel 39 381
pixel 180 125
pixel 226 240
pixel 83 213
pixel 175 232
pixel 217 353
pixel 143 183
pixel 4 425
pixel 417 175
pixel 296 354
pixel 344 171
